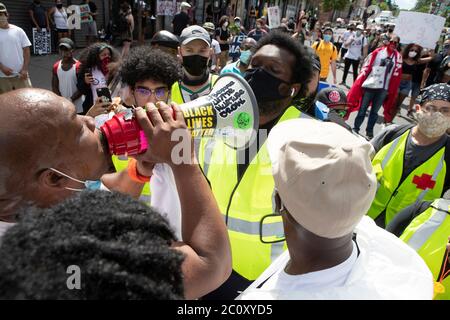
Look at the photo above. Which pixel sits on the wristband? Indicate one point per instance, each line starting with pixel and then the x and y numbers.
pixel 133 172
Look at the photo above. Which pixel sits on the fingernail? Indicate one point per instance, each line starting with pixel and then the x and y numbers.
pixel 150 107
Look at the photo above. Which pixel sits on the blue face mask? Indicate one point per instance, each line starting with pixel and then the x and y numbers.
pixel 327 37
pixel 245 57
pixel 88 184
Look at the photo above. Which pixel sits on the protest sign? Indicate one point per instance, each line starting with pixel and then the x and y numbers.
pixel 41 42
pixel 291 11
pixel 421 28
pixel 274 17
pixel 166 8
pixel 84 13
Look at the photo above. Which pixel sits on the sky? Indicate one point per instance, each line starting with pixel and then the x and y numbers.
pixel 406 4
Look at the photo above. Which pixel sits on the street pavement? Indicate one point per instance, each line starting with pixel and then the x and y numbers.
pixel 41 77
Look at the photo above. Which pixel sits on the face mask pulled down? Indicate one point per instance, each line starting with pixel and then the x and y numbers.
pixel 88 184
pixel 432 125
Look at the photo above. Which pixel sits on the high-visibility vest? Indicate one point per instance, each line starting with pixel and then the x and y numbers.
pixel 245 202
pixel 425 182
pixel 177 96
pixel 428 234
pixel 121 163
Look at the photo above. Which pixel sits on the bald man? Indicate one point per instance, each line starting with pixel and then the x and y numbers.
pixel 49 152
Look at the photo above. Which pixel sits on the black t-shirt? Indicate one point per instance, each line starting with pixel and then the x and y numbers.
pixel 39 15
pixel 223 35
pixel 92 8
pixel 402 219
pixel 434 68
pixel 180 21
pixel 418 73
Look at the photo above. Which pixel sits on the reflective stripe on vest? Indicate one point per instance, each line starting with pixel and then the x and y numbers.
pixel 425 182
pixel 428 235
pixel 177 96
pixel 244 203
pixel 121 163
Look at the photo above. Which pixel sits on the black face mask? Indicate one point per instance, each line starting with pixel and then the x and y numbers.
pixel 59 5
pixel 265 86
pixel 196 65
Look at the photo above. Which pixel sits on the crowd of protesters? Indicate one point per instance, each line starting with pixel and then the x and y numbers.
pixel 305 211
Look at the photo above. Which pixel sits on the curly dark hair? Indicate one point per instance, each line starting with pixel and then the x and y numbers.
pixel 89 57
pixel 147 63
pixel 121 246
pixel 408 48
pixel 302 70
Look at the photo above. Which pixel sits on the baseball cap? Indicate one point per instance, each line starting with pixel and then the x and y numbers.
pixel 209 26
pixel 332 97
pixel 185 5
pixel 360 27
pixel 67 43
pixel 193 33
pixel 323 174
pixel 3 8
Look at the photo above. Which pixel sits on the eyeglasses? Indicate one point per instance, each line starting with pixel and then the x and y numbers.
pixel 160 93
pixel 432 108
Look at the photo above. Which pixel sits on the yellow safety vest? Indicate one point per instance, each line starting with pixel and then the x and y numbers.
pixel 177 95
pixel 425 182
pixel 121 163
pixel 245 202
pixel 428 235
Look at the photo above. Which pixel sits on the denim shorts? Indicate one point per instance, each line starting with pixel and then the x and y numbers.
pixel 405 87
pixel 415 89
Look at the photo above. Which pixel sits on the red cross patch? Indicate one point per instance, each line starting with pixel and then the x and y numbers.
pixel 424 182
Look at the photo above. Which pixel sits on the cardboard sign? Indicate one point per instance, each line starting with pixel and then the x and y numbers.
pixel 41 42
pixel 291 11
pixel 421 28
pixel 274 17
pixel 166 8
pixel 84 13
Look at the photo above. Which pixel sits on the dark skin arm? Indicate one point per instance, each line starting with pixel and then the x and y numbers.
pixel 206 245
pixel 55 84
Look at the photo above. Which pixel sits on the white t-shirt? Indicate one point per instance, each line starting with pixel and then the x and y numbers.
pixel 318 280
pixel 68 83
pixel 216 48
pixel 386 268
pixel 165 196
pixel 355 49
pixel 99 82
pixel 345 37
pixel 12 42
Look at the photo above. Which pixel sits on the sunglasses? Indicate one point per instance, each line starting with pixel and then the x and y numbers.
pixel 160 93
pixel 271 228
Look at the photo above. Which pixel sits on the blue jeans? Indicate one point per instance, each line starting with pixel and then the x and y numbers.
pixel 376 96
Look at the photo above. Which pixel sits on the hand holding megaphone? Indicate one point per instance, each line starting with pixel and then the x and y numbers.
pixel 229 112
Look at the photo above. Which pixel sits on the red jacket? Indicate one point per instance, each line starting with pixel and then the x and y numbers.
pixel 354 96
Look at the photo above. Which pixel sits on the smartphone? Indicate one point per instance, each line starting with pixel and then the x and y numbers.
pixel 104 92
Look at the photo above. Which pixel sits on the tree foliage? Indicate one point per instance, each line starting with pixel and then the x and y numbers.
pixel 337 5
